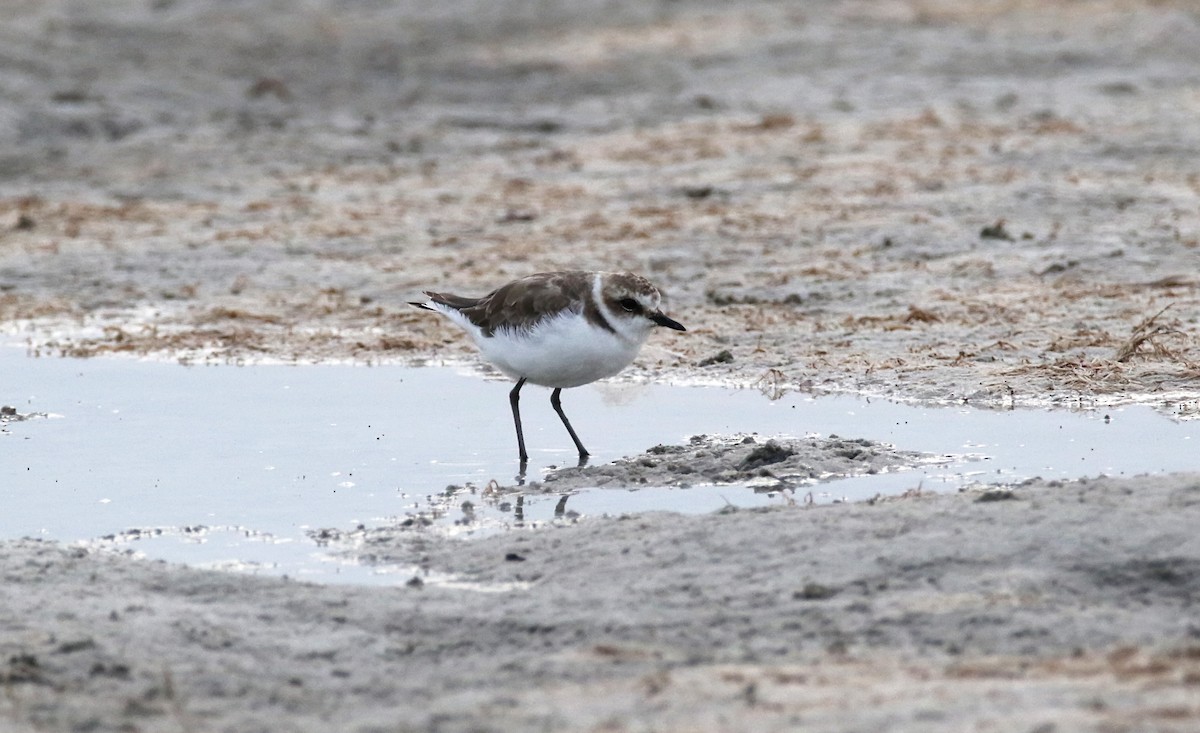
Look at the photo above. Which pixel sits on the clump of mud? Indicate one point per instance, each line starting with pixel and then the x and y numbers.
pixel 9 414
pixel 766 465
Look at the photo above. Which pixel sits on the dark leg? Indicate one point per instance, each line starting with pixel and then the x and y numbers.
pixel 513 398
pixel 557 403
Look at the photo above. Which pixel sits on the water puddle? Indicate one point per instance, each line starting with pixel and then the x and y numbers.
pixel 242 468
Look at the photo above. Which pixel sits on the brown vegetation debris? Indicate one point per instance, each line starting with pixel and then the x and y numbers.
pixel 1148 331
pixel 921 315
pixel 222 313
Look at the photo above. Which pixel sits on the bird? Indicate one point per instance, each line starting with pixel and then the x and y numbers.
pixel 559 330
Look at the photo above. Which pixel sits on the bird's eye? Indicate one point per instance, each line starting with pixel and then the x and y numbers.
pixel 630 305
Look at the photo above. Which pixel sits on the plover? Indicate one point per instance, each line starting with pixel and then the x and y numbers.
pixel 558 330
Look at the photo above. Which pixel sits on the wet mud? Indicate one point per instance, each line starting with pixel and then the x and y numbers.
pixel 774 464
pixel 787 468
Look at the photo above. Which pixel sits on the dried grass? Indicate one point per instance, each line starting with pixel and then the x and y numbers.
pixel 1145 361
pixel 1149 331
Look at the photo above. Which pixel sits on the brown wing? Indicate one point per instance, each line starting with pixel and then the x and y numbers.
pixel 521 303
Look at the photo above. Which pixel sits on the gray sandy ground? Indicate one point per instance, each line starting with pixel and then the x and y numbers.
pixel 1062 606
pixel 991 202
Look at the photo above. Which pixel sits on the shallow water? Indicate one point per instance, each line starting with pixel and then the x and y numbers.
pixel 233 466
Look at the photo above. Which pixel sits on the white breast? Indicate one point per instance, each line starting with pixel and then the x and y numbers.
pixel 564 351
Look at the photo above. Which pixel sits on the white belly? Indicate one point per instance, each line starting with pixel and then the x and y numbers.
pixel 561 352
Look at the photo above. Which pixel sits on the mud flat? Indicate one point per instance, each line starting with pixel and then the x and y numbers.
pixel 994 204
pixel 1065 606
